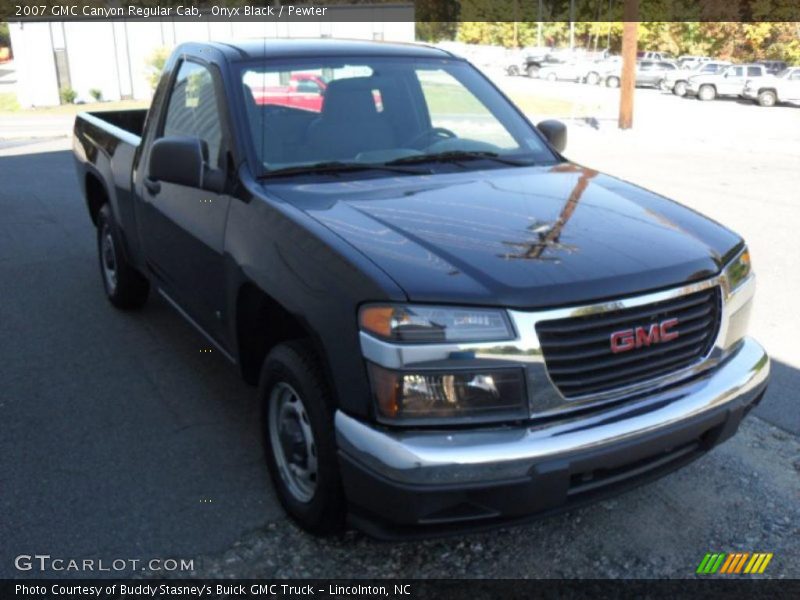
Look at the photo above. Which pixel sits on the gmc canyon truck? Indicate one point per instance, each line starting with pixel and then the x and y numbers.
pixel 450 325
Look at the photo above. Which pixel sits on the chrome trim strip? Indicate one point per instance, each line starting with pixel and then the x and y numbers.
pixel 498 453
pixel 196 325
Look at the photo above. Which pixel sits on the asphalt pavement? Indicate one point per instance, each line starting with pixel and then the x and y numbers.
pixel 121 439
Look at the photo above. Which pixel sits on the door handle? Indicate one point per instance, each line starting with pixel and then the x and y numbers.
pixel 152 186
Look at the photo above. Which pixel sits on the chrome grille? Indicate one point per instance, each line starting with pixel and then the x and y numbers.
pixel 577 350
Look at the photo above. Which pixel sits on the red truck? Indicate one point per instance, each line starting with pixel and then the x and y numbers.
pixel 305 91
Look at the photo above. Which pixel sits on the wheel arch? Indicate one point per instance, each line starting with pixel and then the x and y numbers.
pixel 261 323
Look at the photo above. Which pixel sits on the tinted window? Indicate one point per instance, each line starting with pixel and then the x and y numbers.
pixel 735 72
pixel 193 111
pixel 667 66
pixel 753 72
pixel 795 76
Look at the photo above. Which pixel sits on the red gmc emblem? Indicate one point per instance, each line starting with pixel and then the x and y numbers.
pixel 657 333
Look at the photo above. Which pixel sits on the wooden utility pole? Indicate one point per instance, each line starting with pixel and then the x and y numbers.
pixel 630 34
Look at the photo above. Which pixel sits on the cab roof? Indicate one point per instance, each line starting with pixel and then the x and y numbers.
pixel 267 48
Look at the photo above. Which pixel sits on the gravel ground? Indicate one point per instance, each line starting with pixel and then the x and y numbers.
pixel 745 502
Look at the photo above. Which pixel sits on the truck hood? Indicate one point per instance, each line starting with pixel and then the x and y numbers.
pixel 519 237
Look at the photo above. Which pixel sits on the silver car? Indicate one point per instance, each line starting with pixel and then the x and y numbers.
pixel 769 90
pixel 728 82
pixel 676 81
pixel 649 73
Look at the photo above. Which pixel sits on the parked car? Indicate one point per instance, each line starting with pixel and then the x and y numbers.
pixel 773 66
pixel 772 89
pixel 658 56
pixel 728 82
pixel 571 71
pixel 649 73
pixel 676 81
pixel 687 61
pixel 597 70
pixel 450 326
pixel 305 90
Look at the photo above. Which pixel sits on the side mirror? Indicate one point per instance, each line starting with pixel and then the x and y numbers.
pixel 178 160
pixel 555 132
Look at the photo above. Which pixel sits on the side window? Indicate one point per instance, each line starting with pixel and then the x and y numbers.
pixel 193 110
pixel 307 86
pixel 736 72
pixel 753 71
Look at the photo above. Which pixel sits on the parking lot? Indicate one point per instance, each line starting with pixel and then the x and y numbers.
pixel 122 440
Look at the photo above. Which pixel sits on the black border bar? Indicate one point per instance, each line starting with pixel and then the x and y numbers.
pixel 421 11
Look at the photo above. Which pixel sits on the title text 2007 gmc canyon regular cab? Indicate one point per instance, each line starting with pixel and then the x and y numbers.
pixel 450 325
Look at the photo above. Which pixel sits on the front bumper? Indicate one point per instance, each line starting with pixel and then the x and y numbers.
pixel 402 482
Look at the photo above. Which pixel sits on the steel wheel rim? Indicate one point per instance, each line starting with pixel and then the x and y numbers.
pixel 108 259
pixel 292 442
pixel 768 100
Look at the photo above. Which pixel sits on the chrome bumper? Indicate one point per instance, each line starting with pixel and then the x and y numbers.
pixel 486 455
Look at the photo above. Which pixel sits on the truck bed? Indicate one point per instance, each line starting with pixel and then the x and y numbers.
pixel 131 120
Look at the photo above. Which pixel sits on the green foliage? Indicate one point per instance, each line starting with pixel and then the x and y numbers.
pixel 5 36
pixel 737 41
pixel 155 64
pixel 67 95
pixel 96 94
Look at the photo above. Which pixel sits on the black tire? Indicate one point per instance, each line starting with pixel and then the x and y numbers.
pixel 679 89
pixel 513 70
pixel 767 98
pixel 532 70
pixel 612 82
pixel 294 365
pixel 592 78
pixel 125 287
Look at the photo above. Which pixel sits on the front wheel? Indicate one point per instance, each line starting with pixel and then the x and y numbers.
pixel 679 89
pixel 706 93
pixel 513 70
pixel 612 82
pixel 767 98
pixel 551 77
pixel 125 287
pixel 592 79
pixel 299 438
pixel 532 71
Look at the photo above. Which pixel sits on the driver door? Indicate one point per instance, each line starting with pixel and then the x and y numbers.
pixel 183 227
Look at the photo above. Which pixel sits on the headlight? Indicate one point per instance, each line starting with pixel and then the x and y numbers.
pixel 738 269
pixel 426 396
pixel 420 324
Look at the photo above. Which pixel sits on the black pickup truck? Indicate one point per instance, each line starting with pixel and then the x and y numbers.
pixel 450 325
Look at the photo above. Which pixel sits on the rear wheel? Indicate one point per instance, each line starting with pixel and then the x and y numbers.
pixel 612 82
pixel 767 98
pixel 551 77
pixel 679 89
pixel 299 438
pixel 532 70
pixel 592 78
pixel 513 70
pixel 706 92
pixel 125 287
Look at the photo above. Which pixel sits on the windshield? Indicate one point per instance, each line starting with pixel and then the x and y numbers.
pixel 379 111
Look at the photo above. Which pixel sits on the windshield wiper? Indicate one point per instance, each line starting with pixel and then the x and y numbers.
pixel 456 156
pixel 342 167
